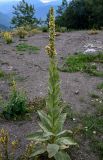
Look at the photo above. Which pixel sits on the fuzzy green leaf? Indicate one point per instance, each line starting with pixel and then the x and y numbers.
pixel 45 120
pixel 39 150
pixel 64 133
pixel 66 141
pixel 37 136
pixel 62 156
pixel 52 149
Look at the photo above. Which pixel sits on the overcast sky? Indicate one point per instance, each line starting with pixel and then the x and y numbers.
pixel 44 1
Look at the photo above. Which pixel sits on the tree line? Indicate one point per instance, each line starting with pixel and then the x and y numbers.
pixel 77 14
pixel 80 14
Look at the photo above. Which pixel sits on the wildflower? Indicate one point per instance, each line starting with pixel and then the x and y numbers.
pixel 74 119
pixel 14 144
pixel 50 49
pixel 100 101
pixel 97 100
pixel 94 132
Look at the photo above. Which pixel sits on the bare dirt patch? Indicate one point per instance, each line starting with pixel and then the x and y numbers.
pixel 33 70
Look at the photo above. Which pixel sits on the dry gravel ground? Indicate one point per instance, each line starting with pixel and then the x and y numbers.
pixel 33 68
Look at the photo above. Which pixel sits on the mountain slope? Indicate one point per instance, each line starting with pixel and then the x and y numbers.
pixel 4 19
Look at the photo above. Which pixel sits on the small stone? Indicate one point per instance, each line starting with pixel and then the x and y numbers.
pixel 77 92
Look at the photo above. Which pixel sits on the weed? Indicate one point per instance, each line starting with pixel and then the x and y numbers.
pixel 25 47
pixel 21 32
pixel 17 104
pixel 7 37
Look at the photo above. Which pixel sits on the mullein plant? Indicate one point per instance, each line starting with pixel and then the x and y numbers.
pixel 51 139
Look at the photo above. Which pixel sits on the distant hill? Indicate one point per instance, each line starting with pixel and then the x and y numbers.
pixel 2 27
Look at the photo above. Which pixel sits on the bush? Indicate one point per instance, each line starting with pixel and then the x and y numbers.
pixel 45 29
pixel 17 104
pixel 7 37
pixel 34 31
pixel 63 29
pixel 21 32
pixel 93 32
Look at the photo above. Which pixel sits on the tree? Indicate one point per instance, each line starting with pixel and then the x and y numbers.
pixel 47 19
pixel 80 14
pixel 60 19
pixel 23 14
pixel 77 15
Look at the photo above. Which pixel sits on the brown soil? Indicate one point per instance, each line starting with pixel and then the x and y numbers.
pixel 33 68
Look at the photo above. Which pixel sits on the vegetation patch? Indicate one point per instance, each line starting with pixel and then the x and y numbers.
pixel 93 129
pixel 100 86
pixel 2 74
pixel 94 96
pixel 25 47
pixel 16 105
pixel 83 63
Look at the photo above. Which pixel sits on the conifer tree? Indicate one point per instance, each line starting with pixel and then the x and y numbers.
pixel 23 14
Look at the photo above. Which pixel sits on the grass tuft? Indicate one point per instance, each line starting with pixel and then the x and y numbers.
pixel 100 86
pixel 25 47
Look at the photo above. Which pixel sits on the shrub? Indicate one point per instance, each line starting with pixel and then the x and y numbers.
pixel 44 29
pixel 21 32
pixel 7 37
pixel 52 139
pixel 17 104
pixel 93 32
pixel 63 29
pixel 34 31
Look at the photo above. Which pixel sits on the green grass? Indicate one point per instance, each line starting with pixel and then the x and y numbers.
pixel 93 130
pixel 88 128
pixel 83 63
pixel 23 47
pixel 93 95
pixel 100 86
pixel 10 77
pixel 2 74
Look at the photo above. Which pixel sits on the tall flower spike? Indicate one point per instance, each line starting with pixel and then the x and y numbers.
pixel 51 47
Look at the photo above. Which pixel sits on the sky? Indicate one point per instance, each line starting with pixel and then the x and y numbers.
pixel 44 1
